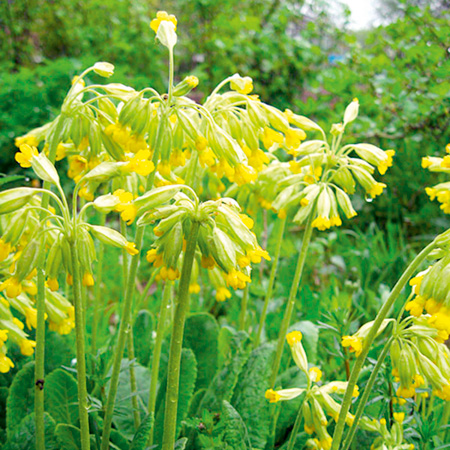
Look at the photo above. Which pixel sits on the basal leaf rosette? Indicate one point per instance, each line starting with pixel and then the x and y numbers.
pixel 324 176
pixel 320 398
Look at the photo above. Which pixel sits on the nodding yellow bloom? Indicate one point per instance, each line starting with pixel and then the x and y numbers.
pixel 5 249
pixel 29 139
pixel 140 163
pixel 282 214
pixel 161 16
pixel 321 223
pixel 31 317
pixel 3 336
pixel 177 158
pixel 376 189
pixel 222 294
pixel 154 258
pixel 271 137
pixel 416 306
pixel 293 337
pixel 236 279
pixel 315 374
pixel 257 159
pixel 293 138
pixel 60 152
pixel 25 155
pixel 243 261
pixel 12 286
pixel 384 165
pixel 5 363
pixel 27 347
pixel 88 279
pixel 244 174
pixel 52 284
pixel 243 85
pixel 86 194
pixel 201 143
pixel 208 262
pixel 444 393
pixel 304 202
pixel 164 168
pixel 247 221
pixel 126 208
pixel 446 162
pixel 354 343
pixel 77 165
pixel 194 288
pixel 272 396
pixel 207 158
pixel 406 392
pixel 131 248
pixel 256 255
pixel 313 175
pixel 169 273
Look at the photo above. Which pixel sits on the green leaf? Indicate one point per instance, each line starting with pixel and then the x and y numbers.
pixel 249 400
pixel 188 376
pixel 140 438
pixel 142 329
pixel 58 350
pixel 20 401
pixel 201 335
pixel 235 435
pixel 5 180
pixel 62 397
pixel 69 437
pixel 180 444
pixel 310 339
pixel 223 385
pixel 24 436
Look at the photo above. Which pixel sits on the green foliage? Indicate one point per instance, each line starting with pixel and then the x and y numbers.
pixel 201 335
pixel 140 439
pixel 61 397
pixel 24 438
pixel 235 434
pixel 248 399
pixel 20 401
pixel 142 329
pixel 68 436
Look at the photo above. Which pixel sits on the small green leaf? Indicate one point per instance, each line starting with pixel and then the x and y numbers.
pixel 69 437
pixel 235 435
pixel 142 329
pixel 141 437
pixel 180 444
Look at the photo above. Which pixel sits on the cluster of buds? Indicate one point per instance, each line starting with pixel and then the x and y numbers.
pixel 319 402
pixel 432 294
pixel 441 191
pixel 224 239
pixel 323 176
pixel 392 439
pixel 420 359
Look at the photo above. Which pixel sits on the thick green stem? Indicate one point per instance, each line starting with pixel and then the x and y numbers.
pixel 176 342
pixel 273 272
pixel 124 328
pixel 80 344
pixel 39 371
pixel 292 296
pixel 367 391
pixel 297 424
pixel 244 307
pixel 384 311
pixel 156 358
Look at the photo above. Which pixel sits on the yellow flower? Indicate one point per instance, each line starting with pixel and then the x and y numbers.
pixel 256 255
pixel 18 323
pixel 12 286
pixel 169 273
pixel 247 221
pixel 354 343
pixel 126 208
pixel 77 165
pixel 25 155
pixel 194 288
pixel 29 139
pixel 446 162
pixel 161 16
pixel 27 347
pixel 131 248
pixel 376 189
pixel 208 262
pixel 5 363
pixel 244 174
pixel 383 166
pixel 321 223
pixel 315 374
pixel 271 137
pixel 31 317
pixel 222 294
pixel 52 284
pixel 406 392
pixel 293 337
pixel 88 279
pixel 399 417
pixel 236 279
pixel 164 168
pixel 3 336
pixel 293 138
pixel 140 163
pixel 5 249
pixel 272 396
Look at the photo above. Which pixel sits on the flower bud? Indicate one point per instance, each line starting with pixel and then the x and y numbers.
pixel 104 69
pixel 15 228
pixel 106 203
pixel 184 87
pixel 173 245
pixel 112 237
pixel 156 197
pixel 13 199
pixel 351 112
pixel 28 259
pixel 104 172
pixel 166 34
pixel 243 85
pixel 294 339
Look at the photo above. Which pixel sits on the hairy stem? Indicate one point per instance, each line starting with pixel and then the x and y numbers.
pixel 273 272
pixel 176 342
pixel 297 424
pixel 291 300
pixel 244 307
pixel 382 314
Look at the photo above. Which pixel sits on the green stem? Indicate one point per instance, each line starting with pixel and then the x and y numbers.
pixel 384 311
pixel 273 272
pixel 176 342
pixel 445 421
pixel 367 391
pixel 39 370
pixel 97 294
pixel 81 361
pixel 126 313
pixel 156 358
pixel 244 307
pixel 297 424
pixel 292 296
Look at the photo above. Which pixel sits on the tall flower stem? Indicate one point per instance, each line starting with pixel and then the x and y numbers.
pixel 292 296
pixel 39 371
pixel 156 358
pixel 384 311
pixel 244 307
pixel 176 342
pixel 80 345
pixel 273 272
pixel 124 328
pixel 297 424
pixel 368 389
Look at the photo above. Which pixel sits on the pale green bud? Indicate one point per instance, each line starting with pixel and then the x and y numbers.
pixel 54 260
pixel 243 85
pixel 184 87
pixel 344 179
pixel 112 147
pixel 44 169
pixel 13 199
pixel 86 249
pixel 257 114
pixel 126 92
pixel 173 245
pixel 223 250
pixel 103 172
pixel 28 259
pixel 109 236
pixel 129 109
pixel 351 112
pixel 345 203
pixel 156 197
pixel 276 118
pixel 302 121
pixel 157 214
pixel 406 365
pixel 104 69
pixel 432 372
pixel 166 34
pixel 106 203
pixel 15 228
pixel 309 147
